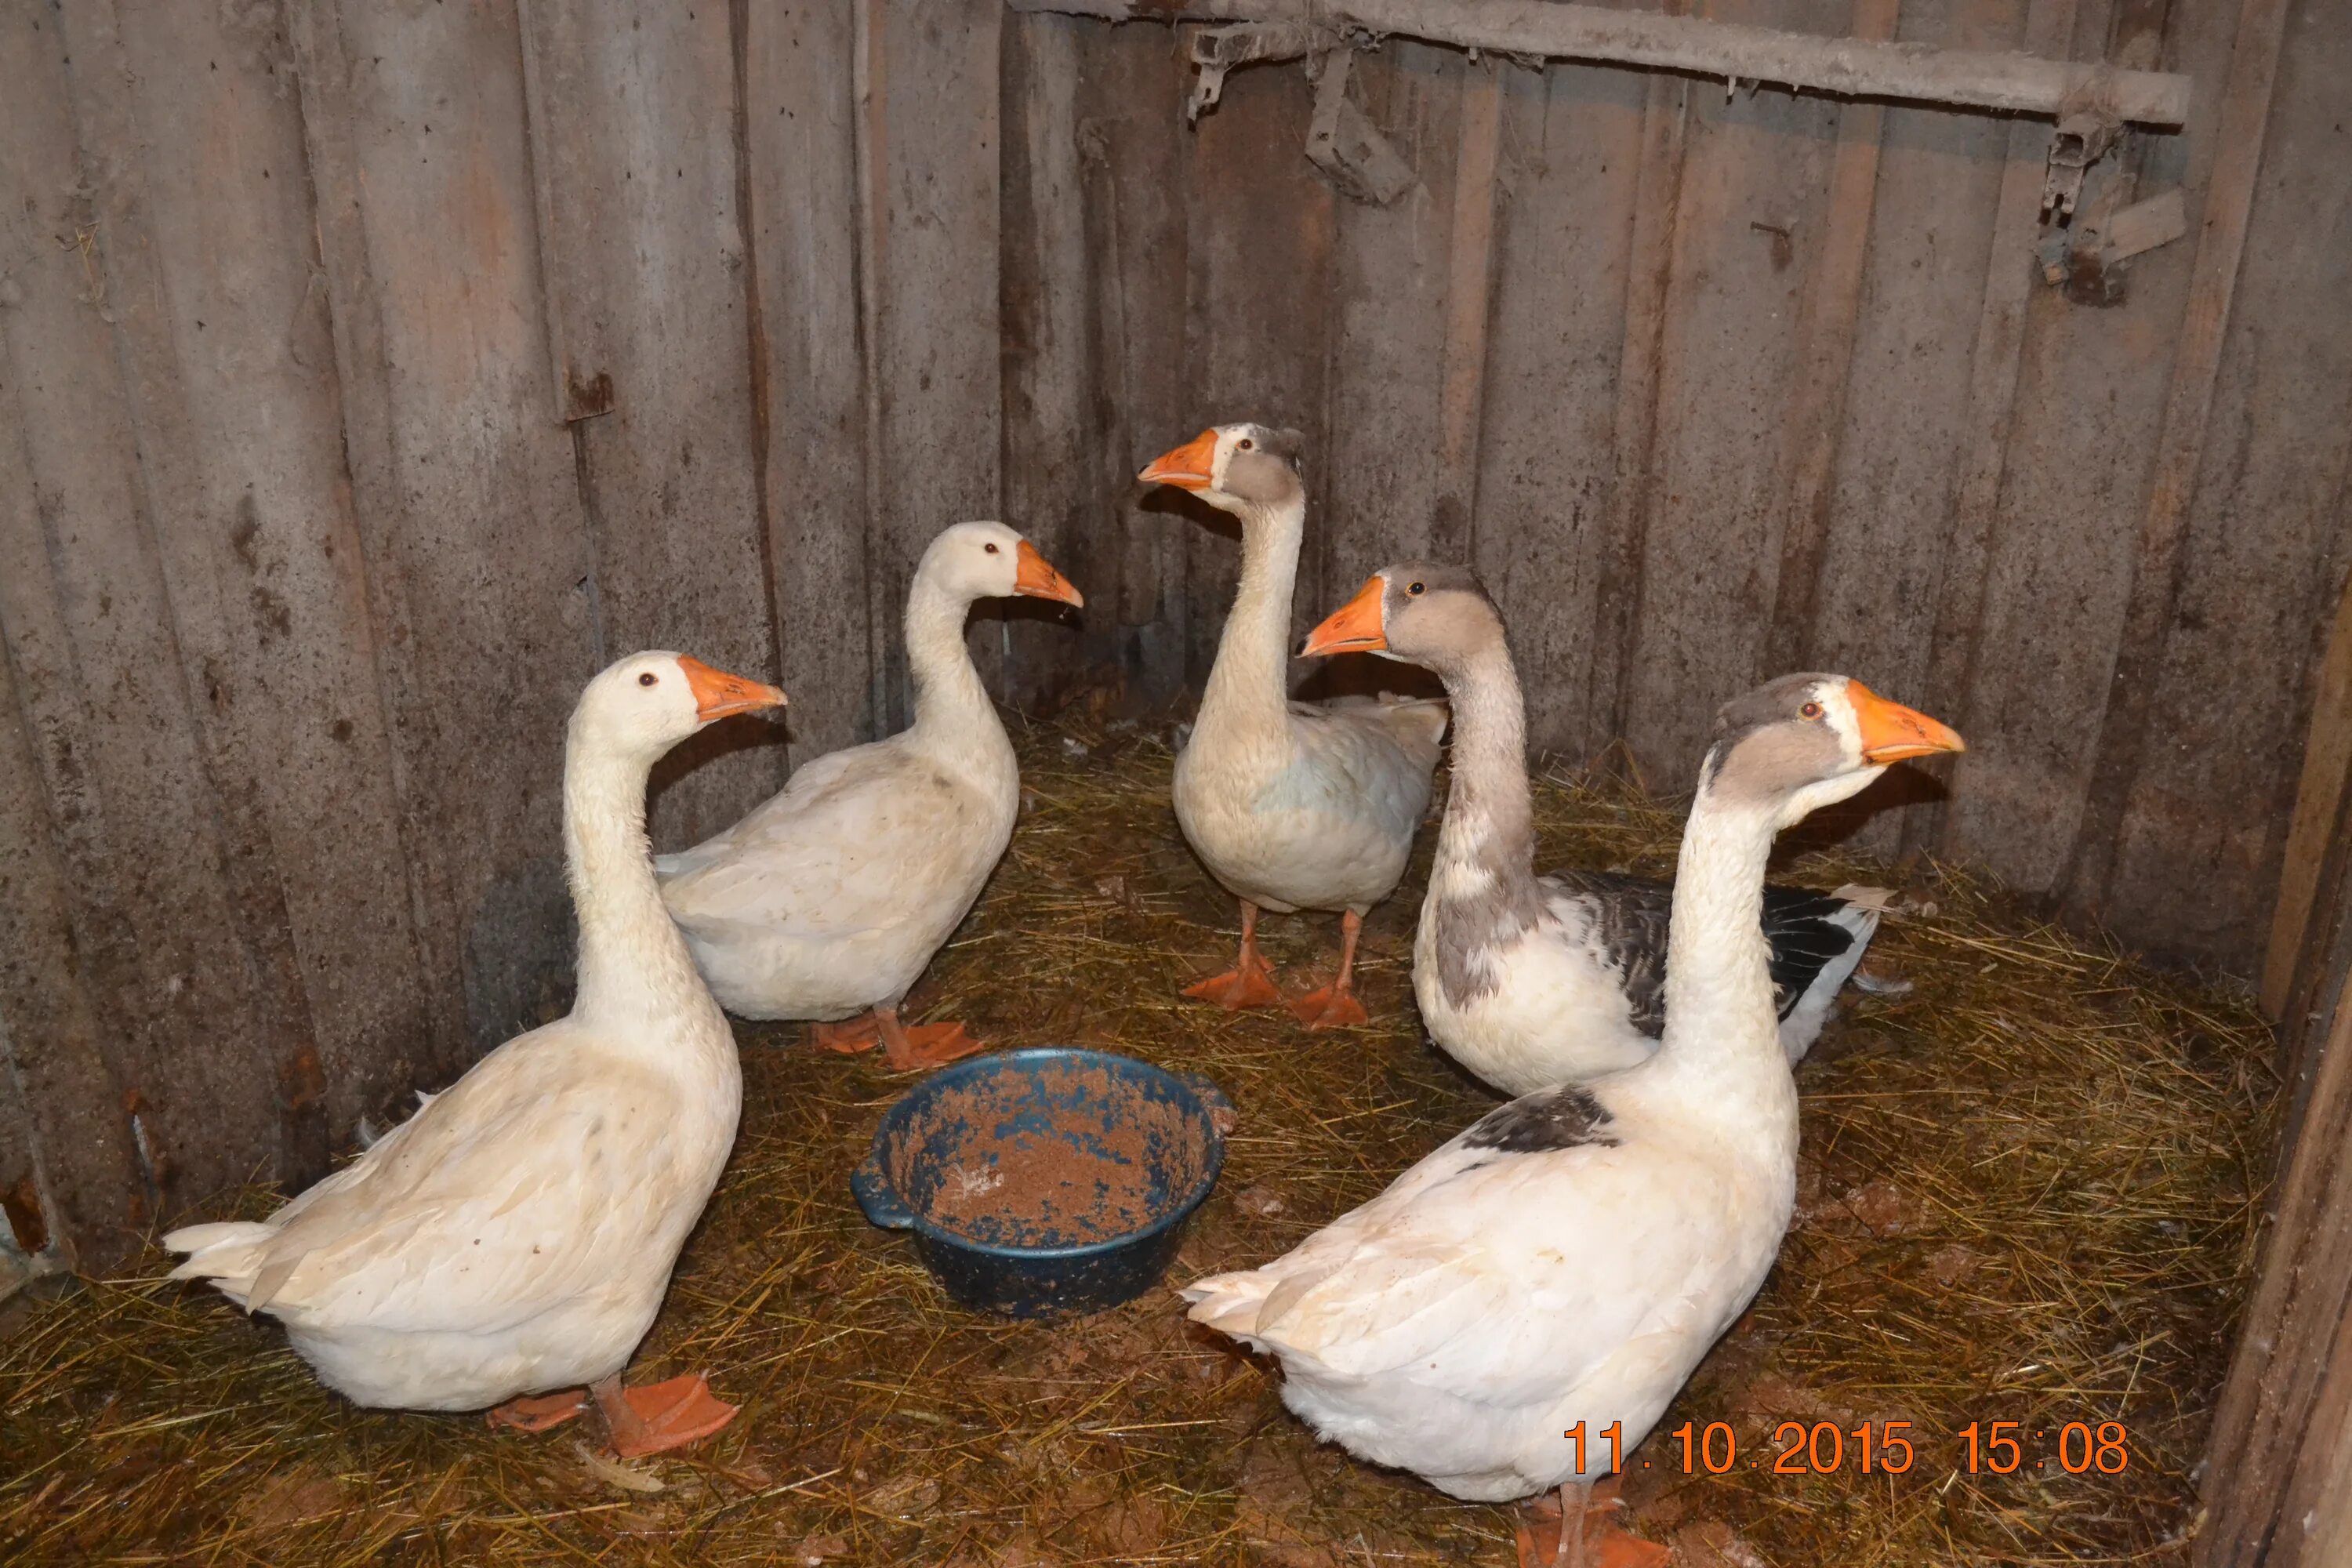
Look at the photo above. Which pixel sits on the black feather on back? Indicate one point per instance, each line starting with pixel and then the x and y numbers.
pixel 1630 916
pixel 1550 1119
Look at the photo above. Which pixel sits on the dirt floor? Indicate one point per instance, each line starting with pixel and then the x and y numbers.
pixel 2028 1195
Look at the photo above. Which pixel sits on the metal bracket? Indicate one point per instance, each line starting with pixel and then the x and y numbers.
pixel 1217 50
pixel 1343 143
pixel 2082 138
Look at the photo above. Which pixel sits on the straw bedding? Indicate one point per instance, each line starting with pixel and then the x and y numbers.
pixel 2029 1193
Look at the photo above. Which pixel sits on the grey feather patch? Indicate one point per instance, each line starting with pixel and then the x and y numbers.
pixel 1542 1122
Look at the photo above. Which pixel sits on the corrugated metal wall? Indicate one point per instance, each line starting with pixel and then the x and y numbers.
pixel 371 374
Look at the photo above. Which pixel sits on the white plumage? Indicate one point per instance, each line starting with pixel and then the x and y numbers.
pixel 1531 981
pixel 516 1233
pixel 829 899
pixel 1569 1257
pixel 1290 805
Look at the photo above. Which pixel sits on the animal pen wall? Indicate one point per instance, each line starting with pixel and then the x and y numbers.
pixel 370 375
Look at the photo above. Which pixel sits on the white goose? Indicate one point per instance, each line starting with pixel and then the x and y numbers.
pixel 1556 1272
pixel 517 1233
pixel 1291 805
pixel 1532 981
pixel 827 901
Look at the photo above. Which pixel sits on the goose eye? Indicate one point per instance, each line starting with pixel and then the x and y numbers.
pixel 1244 444
pixel 1810 710
pixel 1416 587
pixel 649 679
pixel 990 548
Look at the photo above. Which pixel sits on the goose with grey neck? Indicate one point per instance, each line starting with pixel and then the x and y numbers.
pixel 827 902
pixel 515 1236
pixel 1557 1269
pixel 1532 981
pixel 1290 805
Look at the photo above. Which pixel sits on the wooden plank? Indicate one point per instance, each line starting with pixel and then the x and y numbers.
pixel 53 1030
pixel 2319 802
pixel 1825 333
pixel 480 565
pixel 2200 841
pixel 1940 198
pixel 2290 1335
pixel 634 147
pixel 231 365
pixel 1383 457
pixel 1469 301
pixel 933 157
pixel 1704 46
pixel 1570 139
pixel 2159 556
pixel 1634 431
pixel 89 621
pixel 2056 598
pixel 1747 241
pixel 1136 203
pixel 1262 229
pixel 800 120
pixel 1993 369
pixel 1053 459
pixel 25 1205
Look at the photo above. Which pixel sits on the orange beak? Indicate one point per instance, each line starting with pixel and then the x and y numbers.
pixel 717 693
pixel 1036 578
pixel 1354 627
pixel 1188 467
pixel 1891 732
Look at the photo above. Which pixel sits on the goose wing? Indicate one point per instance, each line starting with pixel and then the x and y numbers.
pixel 1625 919
pixel 516 1191
pixel 1515 1256
pixel 844 848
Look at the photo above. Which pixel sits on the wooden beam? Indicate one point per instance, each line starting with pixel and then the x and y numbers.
pixel 2160 556
pixel 1856 68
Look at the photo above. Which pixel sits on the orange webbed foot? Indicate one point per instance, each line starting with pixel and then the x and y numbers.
pixel 1250 986
pixel 849 1037
pixel 661 1416
pixel 1330 1007
pixel 929 1045
pixel 538 1412
pixel 1600 1544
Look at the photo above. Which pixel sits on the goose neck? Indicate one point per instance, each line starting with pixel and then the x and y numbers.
pixel 1247 681
pixel 633 969
pixel 1489 814
pixel 1721 1040
pixel 951 704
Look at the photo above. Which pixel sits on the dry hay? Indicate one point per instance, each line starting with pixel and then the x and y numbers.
pixel 2029 1194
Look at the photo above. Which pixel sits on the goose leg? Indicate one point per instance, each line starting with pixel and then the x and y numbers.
pixel 660 1416
pixel 1250 981
pixel 1335 1005
pixel 1568 1546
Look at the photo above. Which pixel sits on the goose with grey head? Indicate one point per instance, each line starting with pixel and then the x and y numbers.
pixel 1290 805
pixel 516 1234
pixel 826 903
pixel 1514 1312
pixel 1532 981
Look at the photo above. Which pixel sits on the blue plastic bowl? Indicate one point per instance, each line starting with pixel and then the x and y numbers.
pixel 1045 1182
